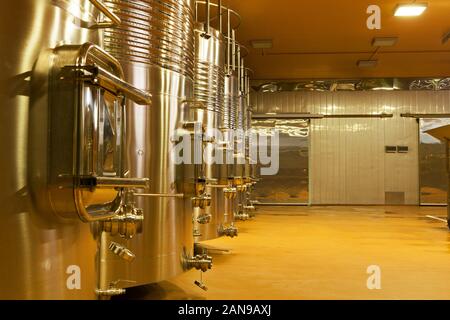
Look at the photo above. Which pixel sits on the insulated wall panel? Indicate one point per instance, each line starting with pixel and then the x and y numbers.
pixel 348 163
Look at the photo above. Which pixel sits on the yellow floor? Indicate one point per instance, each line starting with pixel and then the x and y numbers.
pixel 323 253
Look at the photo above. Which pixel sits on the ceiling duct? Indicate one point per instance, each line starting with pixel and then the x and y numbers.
pixel 375 84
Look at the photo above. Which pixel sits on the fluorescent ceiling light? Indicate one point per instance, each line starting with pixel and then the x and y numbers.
pixel 367 63
pixel 410 10
pixel 384 41
pixel 262 44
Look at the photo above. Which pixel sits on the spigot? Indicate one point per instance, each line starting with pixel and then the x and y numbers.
pixel 204 219
pixel 201 262
pixel 122 252
pixel 230 231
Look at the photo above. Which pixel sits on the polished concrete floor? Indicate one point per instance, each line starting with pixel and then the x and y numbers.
pixel 324 253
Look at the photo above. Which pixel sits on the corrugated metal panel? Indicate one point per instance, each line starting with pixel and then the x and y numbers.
pixel 348 162
pixel 344 102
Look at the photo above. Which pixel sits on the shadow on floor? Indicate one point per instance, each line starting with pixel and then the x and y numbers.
pixel 158 291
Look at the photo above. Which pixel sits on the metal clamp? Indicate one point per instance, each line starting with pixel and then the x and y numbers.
pixel 114 19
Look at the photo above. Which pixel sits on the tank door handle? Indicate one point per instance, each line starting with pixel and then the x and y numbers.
pixel 113 182
pixel 115 20
pixel 195 104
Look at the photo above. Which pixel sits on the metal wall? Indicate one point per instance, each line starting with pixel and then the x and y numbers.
pixel 291 184
pixel 348 163
pixel 432 164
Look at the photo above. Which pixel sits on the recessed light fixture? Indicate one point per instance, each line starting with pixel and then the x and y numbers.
pixel 262 44
pixel 410 9
pixel 367 63
pixel 384 41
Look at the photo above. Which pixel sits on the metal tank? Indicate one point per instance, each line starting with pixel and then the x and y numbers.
pixel 214 55
pixel 228 170
pixel 209 89
pixel 155 44
pixel 62 106
pixel 250 164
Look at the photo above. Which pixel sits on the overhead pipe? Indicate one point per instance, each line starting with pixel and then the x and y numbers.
pixel 425 115
pixel 233 46
pixel 208 20
pixel 219 8
pixel 228 41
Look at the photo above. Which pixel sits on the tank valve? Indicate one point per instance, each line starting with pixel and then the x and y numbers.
pixel 201 262
pixel 204 219
pixel 230 231
pixel 122 252
pixel 128 222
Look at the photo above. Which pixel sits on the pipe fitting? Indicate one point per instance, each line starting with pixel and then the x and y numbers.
pixel 201 262
pixel 110 292
pixel 200 187
pixel 230 231
pixel 204 219
pixel 249 208
pixel 238 181
pixel 241 216
pixel 128 222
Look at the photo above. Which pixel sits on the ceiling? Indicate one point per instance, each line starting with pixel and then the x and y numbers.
pixel 326 38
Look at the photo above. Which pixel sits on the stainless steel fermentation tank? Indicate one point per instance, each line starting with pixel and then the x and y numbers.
pixel 155 44
pixel 79 151
pixel 217 85
pixel 209 89
pixel 61 114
